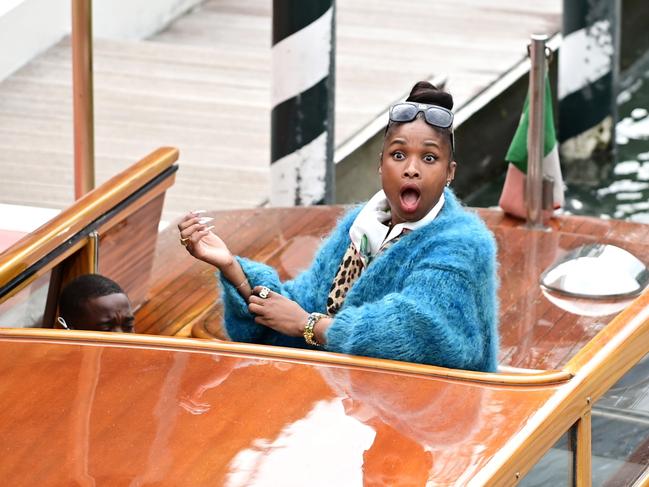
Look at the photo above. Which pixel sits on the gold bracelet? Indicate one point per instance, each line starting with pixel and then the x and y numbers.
pixel 244 281
pixel 309 334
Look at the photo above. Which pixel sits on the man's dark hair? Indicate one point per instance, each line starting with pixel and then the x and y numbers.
pixel 85 287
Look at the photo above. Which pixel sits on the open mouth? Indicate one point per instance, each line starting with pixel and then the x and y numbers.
pixel 410 197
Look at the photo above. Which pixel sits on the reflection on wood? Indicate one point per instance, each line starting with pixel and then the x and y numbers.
pixel 535 332
pixel 81 417
pixel 208 419
pixel 124 211
pixel 126 250
pixel 184 291
pixel 38 244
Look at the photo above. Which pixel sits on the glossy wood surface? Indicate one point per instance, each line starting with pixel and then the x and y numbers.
pixel 486 434
pixel 184 291
pixel 126 250
pixel 596 368
pixel 537 330
pixel 122 409
pixel 117 414
pixel 127 242
pixel 506 377
pixel 583 464
pixel 33 247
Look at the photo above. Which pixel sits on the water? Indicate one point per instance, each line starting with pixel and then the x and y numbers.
pixel 622 191
pixel 606 188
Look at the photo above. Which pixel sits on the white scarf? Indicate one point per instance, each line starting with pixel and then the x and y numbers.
pixel 374 220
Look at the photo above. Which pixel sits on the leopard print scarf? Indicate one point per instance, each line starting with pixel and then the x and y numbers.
pixel 350 269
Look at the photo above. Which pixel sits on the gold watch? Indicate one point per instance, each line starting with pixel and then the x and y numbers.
pixel 309 335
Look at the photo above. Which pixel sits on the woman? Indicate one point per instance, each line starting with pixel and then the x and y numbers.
pixel 408 276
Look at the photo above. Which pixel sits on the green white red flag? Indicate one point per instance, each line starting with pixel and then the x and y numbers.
pixel 512 198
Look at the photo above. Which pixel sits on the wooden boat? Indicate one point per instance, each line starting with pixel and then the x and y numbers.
pixel 178 404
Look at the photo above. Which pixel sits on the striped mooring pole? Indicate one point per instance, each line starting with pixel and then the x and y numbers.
pixel 302 171
pixel 588 72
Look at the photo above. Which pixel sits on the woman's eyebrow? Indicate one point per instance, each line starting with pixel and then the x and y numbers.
pixel 399 141
pixel 431 143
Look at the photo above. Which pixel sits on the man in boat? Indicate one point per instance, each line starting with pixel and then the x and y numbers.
pixel 410 275
pixel 94 302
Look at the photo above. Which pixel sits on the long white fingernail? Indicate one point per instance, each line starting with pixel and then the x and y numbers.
pixel 209 228
pixel 205 219
pixel 198 212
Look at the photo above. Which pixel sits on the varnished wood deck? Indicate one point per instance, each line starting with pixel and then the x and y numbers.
pixel 535 333
pixel 184 290
pixel 119 413
pixel 203 85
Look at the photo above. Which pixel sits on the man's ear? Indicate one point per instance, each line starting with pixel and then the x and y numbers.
pixel 380 160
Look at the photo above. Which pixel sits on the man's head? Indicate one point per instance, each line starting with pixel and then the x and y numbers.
pixel 94 302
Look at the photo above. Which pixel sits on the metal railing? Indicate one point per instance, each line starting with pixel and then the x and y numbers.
pixel 82 96
pixel 536 132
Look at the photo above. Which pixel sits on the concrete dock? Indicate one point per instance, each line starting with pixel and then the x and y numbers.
pixel 203 85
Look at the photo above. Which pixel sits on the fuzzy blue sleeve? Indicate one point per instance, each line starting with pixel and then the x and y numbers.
pixel 309 289
pixel 433 320
pixel 239 322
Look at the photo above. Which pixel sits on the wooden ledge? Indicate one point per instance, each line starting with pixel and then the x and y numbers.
pixel 623 340
pixel 534 378
pixel 33 247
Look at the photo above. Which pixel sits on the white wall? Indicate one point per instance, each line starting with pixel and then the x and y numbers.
pixel 28 27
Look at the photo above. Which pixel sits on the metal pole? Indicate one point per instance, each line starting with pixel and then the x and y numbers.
pixel 535 133
pixel 84 143
pixel 93 252
pixel 302 130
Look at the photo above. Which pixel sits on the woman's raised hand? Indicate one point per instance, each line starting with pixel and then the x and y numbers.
pixel 201 243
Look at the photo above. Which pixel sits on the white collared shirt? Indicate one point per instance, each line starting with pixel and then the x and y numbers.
pixel 374 220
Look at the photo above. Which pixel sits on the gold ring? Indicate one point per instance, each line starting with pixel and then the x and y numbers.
pixel 184 241
pixel 264 292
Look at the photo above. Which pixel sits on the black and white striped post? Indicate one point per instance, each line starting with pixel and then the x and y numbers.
pixel 588 69
pixel 302 171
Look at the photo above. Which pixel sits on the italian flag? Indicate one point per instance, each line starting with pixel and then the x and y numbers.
pixel 512 199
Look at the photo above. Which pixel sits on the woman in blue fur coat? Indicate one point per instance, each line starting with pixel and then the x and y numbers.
pixel 408 276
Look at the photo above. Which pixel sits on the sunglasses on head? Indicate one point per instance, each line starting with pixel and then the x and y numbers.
pixel 434 115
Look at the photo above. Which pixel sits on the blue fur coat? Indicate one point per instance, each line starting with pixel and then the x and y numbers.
pixel 430 298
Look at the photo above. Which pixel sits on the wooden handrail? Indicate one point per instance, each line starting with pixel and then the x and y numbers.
pixel 643 480
pixel 618 341
pixel 534 378
pixel 39 243
pixel 594 370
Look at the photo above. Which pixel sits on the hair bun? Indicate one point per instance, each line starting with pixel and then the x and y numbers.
pixel 425 92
